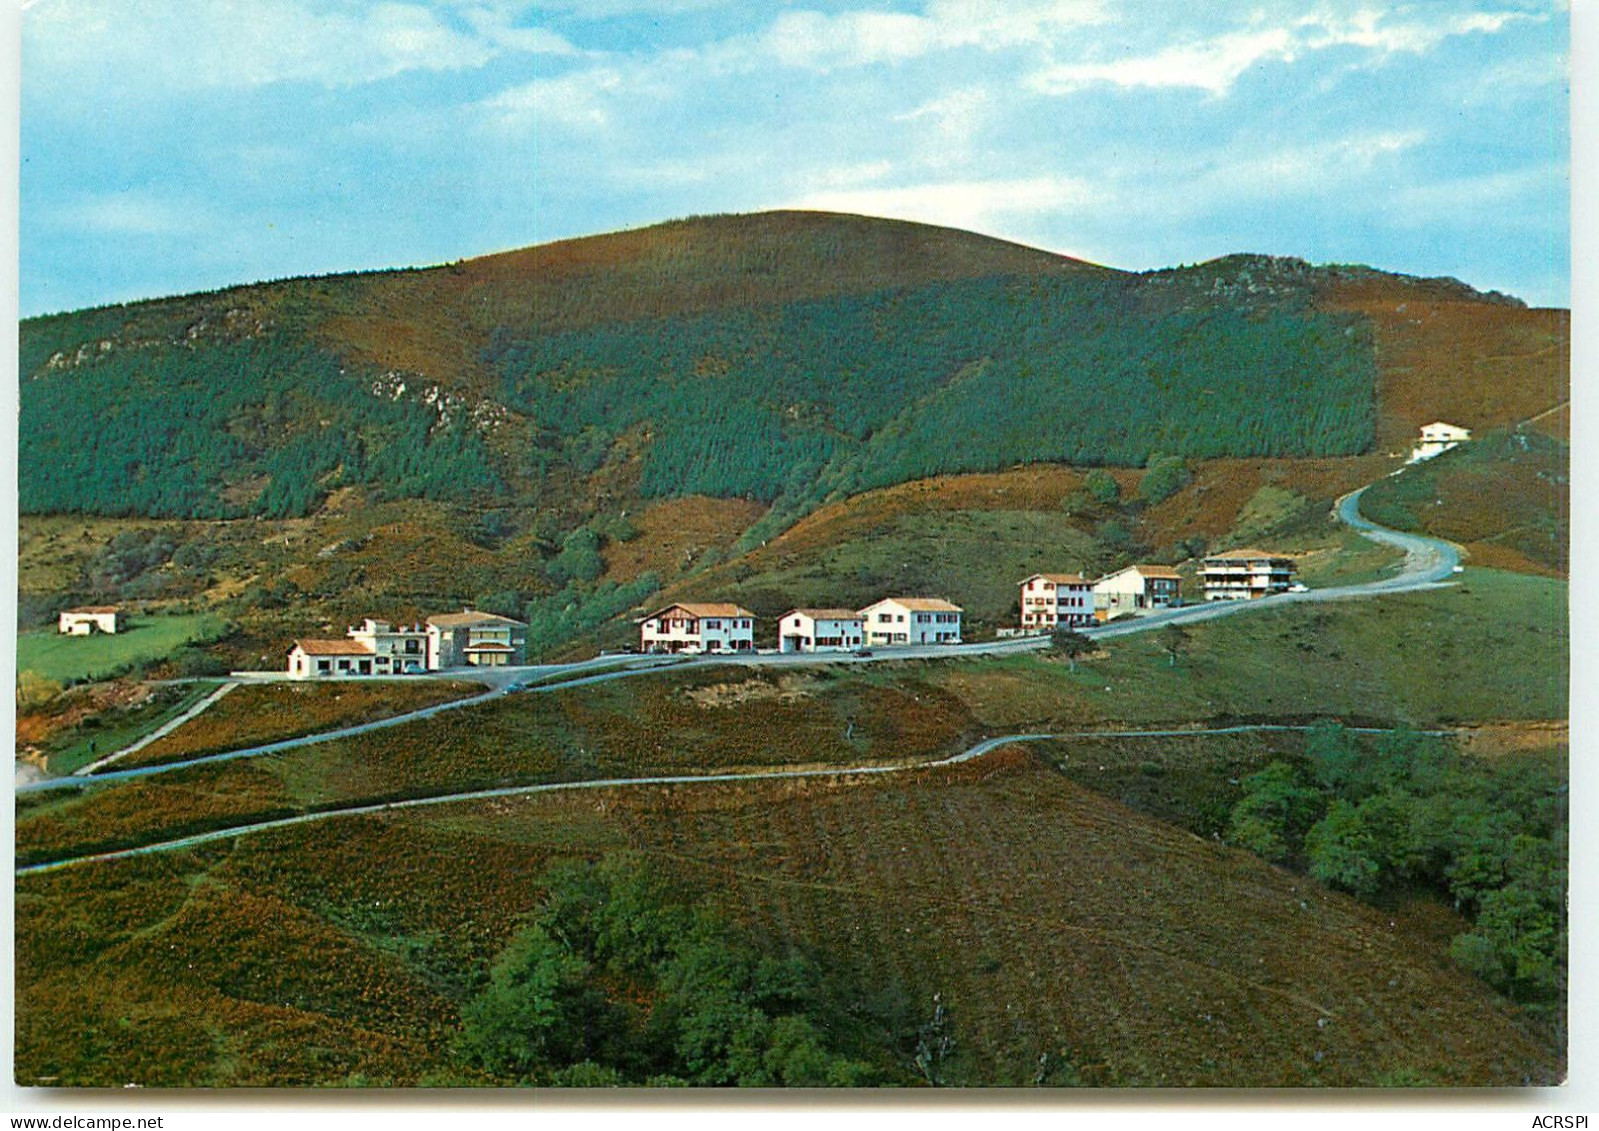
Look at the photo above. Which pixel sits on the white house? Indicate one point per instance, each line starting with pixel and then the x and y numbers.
pixel 395 651
pixel 473 639
pixel 819 630
pixel 314 659
pixel 912 620
pixel 1056 600
pixel 1437 438
pixel 699 627
pixel 87 619
pixel 1138 589
pixel 1243 575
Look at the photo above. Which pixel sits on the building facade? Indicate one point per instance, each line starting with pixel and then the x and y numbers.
pixel 1244 575
pixel 911 620
pixel 89 619
pixel 1056 600
pixel 323 659
pixel 473 639
pixel 698 627
pixel 819 630
pixel 1437 438
pixel 395 651
pixel 1138 589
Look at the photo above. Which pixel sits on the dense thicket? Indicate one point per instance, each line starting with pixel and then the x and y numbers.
pixel 1490 835
pixel 621 979
pixel 848 393
pixel 166 432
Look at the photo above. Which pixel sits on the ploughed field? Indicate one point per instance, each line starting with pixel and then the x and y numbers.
pixel 1023 928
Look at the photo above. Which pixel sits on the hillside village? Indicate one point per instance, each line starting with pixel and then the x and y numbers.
pixel 1048 601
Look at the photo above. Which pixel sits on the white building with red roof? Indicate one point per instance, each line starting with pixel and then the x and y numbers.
pixel 323 659
pixel 1138 589
pixel 819 630
pixel 85 620
pixel 912 620
pixel 698 627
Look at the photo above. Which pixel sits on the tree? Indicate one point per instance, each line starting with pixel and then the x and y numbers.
pixel 1174 639
pixel 1342 851
pixel 1165 477
pixel 538 1011
pixel 1102 487
pixel 1071 644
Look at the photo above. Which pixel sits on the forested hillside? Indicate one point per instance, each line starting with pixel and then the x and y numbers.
pixel 764 358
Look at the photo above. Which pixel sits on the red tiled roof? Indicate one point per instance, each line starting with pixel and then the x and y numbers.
pixel 826 614
pixel 705 609
pixel 920 604
pixel 468 618
pixel 95 610
pixel 332 648
pixel 1057 578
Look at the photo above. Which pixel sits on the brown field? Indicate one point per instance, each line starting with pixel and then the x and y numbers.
pixel 260 713
pixel 1069 939
pixel 1473 364
pixel 675 533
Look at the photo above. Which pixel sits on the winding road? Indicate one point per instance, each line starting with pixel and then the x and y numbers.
pixel 1429 563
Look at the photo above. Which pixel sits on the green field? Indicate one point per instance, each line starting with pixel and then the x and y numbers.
pixel 68 659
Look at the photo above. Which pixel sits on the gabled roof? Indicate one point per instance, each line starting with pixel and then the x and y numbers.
pixel 1445 424
pixel 1146 572
pixel 1057 578
pixel 332 648
pixel 919 604
pixel 1248 554
pixel 826 614
pixel 93 610
pixel 469 618
pixel 701 609
pixel 490 646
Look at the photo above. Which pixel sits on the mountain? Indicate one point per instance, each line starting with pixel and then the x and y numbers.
pixel 604 410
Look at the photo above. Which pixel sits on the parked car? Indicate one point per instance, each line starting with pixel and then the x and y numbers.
pixel 1298 587
pixel 863 653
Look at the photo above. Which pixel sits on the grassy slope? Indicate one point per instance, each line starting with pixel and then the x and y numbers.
pixel 104 732
pixel 261 713
pixel 1070 941
pixel 1494 649
pixel 1506 496
pixel 143 640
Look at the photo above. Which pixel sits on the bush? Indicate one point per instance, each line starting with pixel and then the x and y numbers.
pixel 1166 475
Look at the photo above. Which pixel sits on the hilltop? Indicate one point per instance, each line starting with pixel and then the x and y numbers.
pixel 580 422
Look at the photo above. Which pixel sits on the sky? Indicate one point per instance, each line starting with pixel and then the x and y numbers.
pixel 180 145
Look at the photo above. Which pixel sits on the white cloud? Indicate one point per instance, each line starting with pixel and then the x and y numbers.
pixel 581 100
pixel 195 44
pixel 822 42
pixel 1215 64
pixel 1212 65
pixel 977 205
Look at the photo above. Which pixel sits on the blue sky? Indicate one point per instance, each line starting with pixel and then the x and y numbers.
pixel 186 144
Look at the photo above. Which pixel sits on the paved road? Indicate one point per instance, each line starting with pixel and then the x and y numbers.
pixel 160 732
pixel 514 791
pixel 967 755
pixel 1429 562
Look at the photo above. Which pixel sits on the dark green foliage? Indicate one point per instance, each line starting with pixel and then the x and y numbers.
pixel 1406 809
pixel 1277 809
pixel 1071 644
pixel 1174 641
pixel 1164 478
pixel 579 559
pixel 576 609
pixel 163 430
pixel 622 979
pixel 848 393
pixel 1102 487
